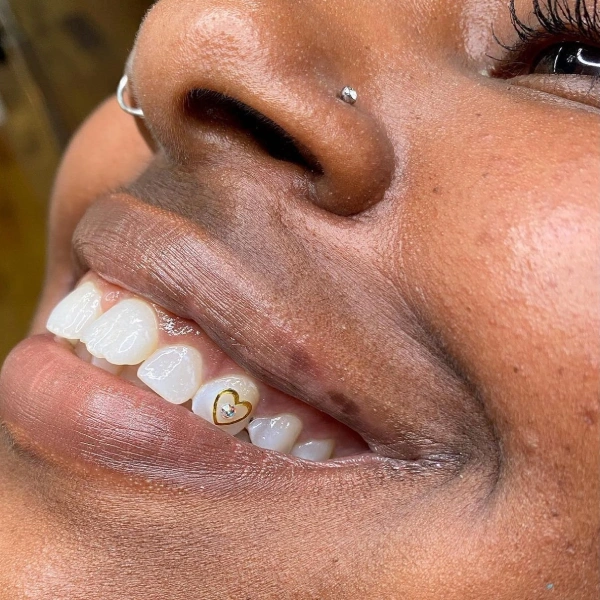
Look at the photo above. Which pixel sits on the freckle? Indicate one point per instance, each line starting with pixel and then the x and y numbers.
pixel 477 114
pixel 590 417
pixel 485 175
pixel 516 369
pixel 301 362
pixel 560 371
pixel 437 190
pixel 345 405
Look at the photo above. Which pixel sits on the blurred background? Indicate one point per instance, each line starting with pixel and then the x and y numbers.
pixel 58 59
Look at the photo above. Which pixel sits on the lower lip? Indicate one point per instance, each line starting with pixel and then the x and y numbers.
pixel 62 409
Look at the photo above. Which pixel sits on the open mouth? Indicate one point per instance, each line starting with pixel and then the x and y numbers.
pixel 174 360
pixel 145 345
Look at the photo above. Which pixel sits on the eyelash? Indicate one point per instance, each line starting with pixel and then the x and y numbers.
pixel 557 22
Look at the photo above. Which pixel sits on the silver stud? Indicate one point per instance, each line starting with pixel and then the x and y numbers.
pixel 228 411
pixel 349 95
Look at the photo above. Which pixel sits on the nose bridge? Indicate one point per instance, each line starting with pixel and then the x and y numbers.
pixel 260 55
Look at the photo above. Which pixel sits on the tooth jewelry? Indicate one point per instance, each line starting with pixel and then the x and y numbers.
pixel 227 402
pixel 130 110
pixel 227 413
pixel 349 95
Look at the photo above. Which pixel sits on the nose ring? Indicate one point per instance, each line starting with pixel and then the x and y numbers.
pixel 130 110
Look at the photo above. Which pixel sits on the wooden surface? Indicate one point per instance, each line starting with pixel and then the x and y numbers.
pixel 21 248
pixel 63 58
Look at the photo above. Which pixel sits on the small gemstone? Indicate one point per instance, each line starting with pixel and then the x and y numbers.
pixel 228 411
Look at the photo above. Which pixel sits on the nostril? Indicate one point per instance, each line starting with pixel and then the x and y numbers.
pixel 224 85
pixel 218 110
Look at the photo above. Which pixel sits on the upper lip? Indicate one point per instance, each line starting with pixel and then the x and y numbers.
pixel 207 288
pixel 190 269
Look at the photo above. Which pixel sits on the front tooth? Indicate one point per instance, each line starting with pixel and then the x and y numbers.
pixel 74 313
pixel 127 334
pixel 227 402
pixel 316 450
pixel 173 372
pixel 278 433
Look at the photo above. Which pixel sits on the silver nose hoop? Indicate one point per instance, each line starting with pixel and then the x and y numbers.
pixel 130 110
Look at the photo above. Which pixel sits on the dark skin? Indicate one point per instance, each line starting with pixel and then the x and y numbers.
pixel 425 272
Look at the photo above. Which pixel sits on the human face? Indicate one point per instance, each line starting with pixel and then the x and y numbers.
pixel 421 266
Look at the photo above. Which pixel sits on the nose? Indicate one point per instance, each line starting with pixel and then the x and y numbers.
pixel 216 75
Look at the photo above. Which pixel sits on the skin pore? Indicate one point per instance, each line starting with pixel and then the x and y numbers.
pixel 422 266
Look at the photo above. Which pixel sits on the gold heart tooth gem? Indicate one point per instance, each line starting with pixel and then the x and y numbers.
pixel 238 405
pixel 228 401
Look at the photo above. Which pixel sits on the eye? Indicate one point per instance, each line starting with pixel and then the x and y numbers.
pixel 568 58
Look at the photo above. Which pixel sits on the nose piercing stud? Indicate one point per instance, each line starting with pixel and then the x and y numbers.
pixel 349 95
pixel 130 110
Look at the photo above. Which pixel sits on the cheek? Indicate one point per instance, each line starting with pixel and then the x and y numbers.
pixel 519 270
pixel 554 259
pixel 505 255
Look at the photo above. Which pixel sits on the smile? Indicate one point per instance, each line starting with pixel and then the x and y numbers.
pixel 152 349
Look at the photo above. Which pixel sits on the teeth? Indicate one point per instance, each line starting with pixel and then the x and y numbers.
pixel 278 433
pixel 82 352
pixel 103 364
pixel 317 450
pixel 227 402
pixel 75 312
pixel 124 340
pixel 127 334
pixel 173 372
